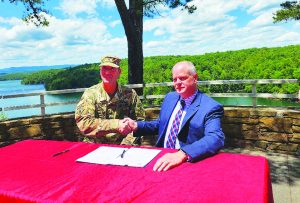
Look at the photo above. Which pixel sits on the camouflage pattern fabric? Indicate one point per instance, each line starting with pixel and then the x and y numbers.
pixel 97 115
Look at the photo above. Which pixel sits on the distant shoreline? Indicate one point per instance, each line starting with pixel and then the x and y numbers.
pixel 27 69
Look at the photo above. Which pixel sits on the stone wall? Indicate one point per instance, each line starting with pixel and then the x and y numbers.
pixel 267 129
pixel 273 129
pixel 55 127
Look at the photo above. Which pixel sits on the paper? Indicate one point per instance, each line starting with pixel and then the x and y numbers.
pixel 136 157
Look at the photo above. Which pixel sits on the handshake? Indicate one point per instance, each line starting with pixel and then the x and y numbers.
pixel 126 126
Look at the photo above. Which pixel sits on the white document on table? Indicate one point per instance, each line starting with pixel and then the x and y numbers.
pixel 135 157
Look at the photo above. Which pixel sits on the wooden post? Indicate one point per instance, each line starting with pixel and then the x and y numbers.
pixel 254 99
pixel 42 99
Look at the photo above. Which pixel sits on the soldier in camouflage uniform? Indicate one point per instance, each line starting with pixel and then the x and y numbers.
pixel 102 108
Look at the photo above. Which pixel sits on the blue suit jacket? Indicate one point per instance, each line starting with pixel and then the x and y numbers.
pixel 200 134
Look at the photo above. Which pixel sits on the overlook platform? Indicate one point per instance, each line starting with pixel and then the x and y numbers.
pixel 285 173
pixel 270 132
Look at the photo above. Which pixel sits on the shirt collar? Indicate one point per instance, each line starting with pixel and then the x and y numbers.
pixel 188 101
pixel 116 96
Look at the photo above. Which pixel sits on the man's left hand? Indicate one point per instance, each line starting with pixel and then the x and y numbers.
pixel 170 160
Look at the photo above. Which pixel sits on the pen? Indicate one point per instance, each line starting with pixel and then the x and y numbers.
pixel 59 153
pixel 123 153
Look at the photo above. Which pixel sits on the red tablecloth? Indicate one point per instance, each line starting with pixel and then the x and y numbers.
pixel 29 173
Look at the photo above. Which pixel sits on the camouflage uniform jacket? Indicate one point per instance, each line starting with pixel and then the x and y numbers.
pixel 97 115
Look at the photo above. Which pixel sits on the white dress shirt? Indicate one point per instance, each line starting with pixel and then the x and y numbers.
pixel 188 102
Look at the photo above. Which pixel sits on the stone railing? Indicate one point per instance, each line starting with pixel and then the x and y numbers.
pixel 268 129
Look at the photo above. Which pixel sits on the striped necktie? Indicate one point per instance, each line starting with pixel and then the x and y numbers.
pixel 175 127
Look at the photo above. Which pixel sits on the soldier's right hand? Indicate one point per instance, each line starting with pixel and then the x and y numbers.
pixel 132 124
pixel 124 127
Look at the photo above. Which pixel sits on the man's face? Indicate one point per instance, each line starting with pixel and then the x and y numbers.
pixel 109 74
pixel 185 83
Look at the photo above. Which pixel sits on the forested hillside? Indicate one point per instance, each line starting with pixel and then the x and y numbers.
pixel 255 63
pixel 13 76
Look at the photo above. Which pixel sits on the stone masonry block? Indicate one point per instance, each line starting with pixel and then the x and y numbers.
pixel 250 135
pixel 54 125
pixel 296 129
pixel 246 127
pixel 232 130
pixel 261 144
pixel 3 135
pixel 240 120
pixel 37 120
pixel 293 114
pixel 283 147
pixel 295 138
pixel 25 132
pixel 276 124
pixel 296 122
pixel 239 113
pixel 248 144
pixel 263 112
pixel 274 137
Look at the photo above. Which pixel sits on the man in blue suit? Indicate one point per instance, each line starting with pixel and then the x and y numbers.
pixel 189 121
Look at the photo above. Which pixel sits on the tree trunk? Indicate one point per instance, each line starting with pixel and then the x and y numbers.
pixel 132 20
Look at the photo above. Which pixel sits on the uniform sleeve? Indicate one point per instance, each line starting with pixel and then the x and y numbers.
pixel 136 113
pixel 137 107
pixel 86 121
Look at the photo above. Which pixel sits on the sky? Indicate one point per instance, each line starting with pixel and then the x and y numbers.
pixel 82 31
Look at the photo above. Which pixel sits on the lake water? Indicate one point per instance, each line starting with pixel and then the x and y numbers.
pixel 15 87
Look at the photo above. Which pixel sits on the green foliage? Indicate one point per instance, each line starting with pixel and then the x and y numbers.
pixel 150 7
pixel 255 63
pixel 14 76
pixel 57 79
pixel 3 117
pixel 290 11
pixel 40 77
pixel 78 77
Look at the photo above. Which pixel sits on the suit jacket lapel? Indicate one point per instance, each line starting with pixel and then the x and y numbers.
pixel 165 115
pixel 193 108
pixel 167 112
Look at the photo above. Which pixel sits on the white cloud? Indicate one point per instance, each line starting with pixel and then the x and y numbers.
pixel 290 36
pixel 115 23
pixel 296 25
pixel 258 6
pixel 263 19
pixel 211 28
pixel 7 21
pixel 74 7
pixel 159 32
pixel 215 26
pixel 63 42
pixel 108 3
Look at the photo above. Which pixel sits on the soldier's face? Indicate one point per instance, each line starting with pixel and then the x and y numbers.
pixel 109 74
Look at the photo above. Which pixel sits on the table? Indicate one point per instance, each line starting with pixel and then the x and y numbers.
pixel 30 173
